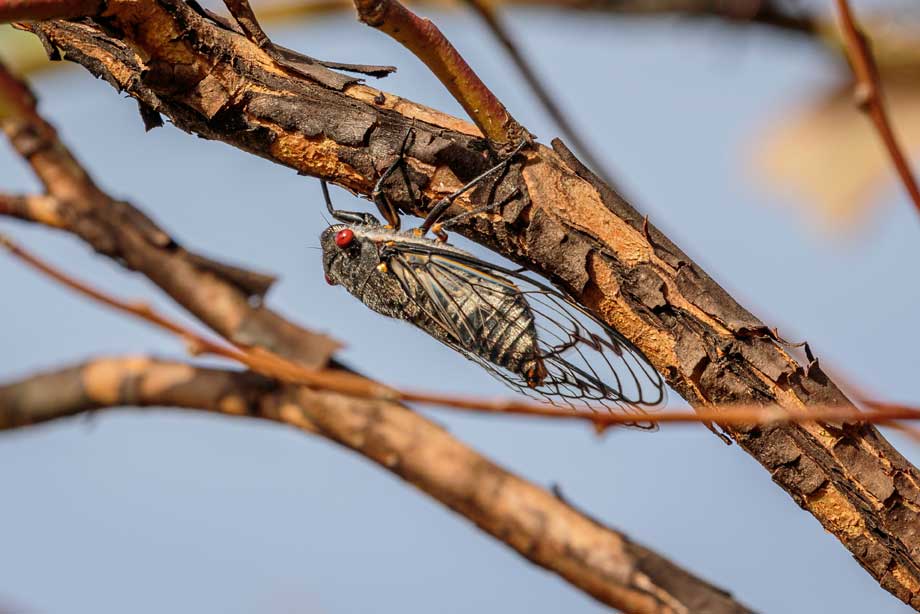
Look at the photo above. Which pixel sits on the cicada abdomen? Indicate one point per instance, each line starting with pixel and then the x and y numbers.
pixel 485 314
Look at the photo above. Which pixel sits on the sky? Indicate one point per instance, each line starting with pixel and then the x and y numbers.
pixel 156 510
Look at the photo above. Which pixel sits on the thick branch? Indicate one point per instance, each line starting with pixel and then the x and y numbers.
pixel 545 530
pixel 643 581
pixel 568 226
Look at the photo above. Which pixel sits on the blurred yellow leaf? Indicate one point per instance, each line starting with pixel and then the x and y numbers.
pixel 828 155
pixel 22 52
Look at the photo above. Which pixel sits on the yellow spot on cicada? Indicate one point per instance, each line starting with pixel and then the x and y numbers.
pixel 382 267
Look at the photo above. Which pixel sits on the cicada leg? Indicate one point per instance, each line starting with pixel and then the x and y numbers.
pixel 384 205
pixel 442 205
pixel 349 217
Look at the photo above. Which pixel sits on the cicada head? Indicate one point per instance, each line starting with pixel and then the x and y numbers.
pixel 349 257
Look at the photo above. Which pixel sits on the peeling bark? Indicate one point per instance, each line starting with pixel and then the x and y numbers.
pixel 566 224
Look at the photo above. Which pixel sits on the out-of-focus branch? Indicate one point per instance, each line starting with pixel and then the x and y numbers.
pixel 764 13
pixel 38 208
pixel 136 381
pixel 600 561
pixel 487 12
pixel 284 371
pixel 217 293
pixel 870 98
pixel 425 40
pixel 37 10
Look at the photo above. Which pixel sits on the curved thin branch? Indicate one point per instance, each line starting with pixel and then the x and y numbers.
pixel 487 13
pixel 271 365
pixel 568 225
pixel 425 40
pixel 870 98
pixel 119 230
pixel 602 562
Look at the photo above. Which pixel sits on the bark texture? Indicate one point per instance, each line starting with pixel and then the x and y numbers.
pixel 602 562
pixel 566 224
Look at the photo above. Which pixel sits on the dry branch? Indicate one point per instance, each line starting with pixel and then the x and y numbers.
pixel 117 229
pixel 424 39
pixel 568 226
pixel 775 15
pixel 594 558
pixel 602 562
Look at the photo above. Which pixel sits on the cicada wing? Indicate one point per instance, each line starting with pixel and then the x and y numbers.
pixel 587 363
pixel 445 298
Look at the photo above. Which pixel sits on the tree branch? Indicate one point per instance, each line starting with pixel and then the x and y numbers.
pixel 425 40
pixel 568 226
pixel 487 13
pixel 870 98
pixel 219 294
pixel 275 367
pixel 600 561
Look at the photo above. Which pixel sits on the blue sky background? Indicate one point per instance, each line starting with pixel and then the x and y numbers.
pixel 154 511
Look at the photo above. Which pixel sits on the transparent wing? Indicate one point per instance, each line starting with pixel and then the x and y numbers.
pixel 587 363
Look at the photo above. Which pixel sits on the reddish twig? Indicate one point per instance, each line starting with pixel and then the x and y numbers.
pixel 40 10
pixel 271 365
pixel 257 359
pixel 489 17
pixel 869 96
pixel 425 40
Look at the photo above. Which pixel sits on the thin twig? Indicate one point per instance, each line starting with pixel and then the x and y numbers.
pixel 258 359
pixel 271 365
pixel 425 40
pixel 870 98
pixel 220 294
pixel 490 18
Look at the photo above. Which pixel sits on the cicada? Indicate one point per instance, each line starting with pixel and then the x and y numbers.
pixel 531 336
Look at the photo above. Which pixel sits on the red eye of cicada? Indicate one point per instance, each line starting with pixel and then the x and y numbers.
pixel 344 237
pixel 329 280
